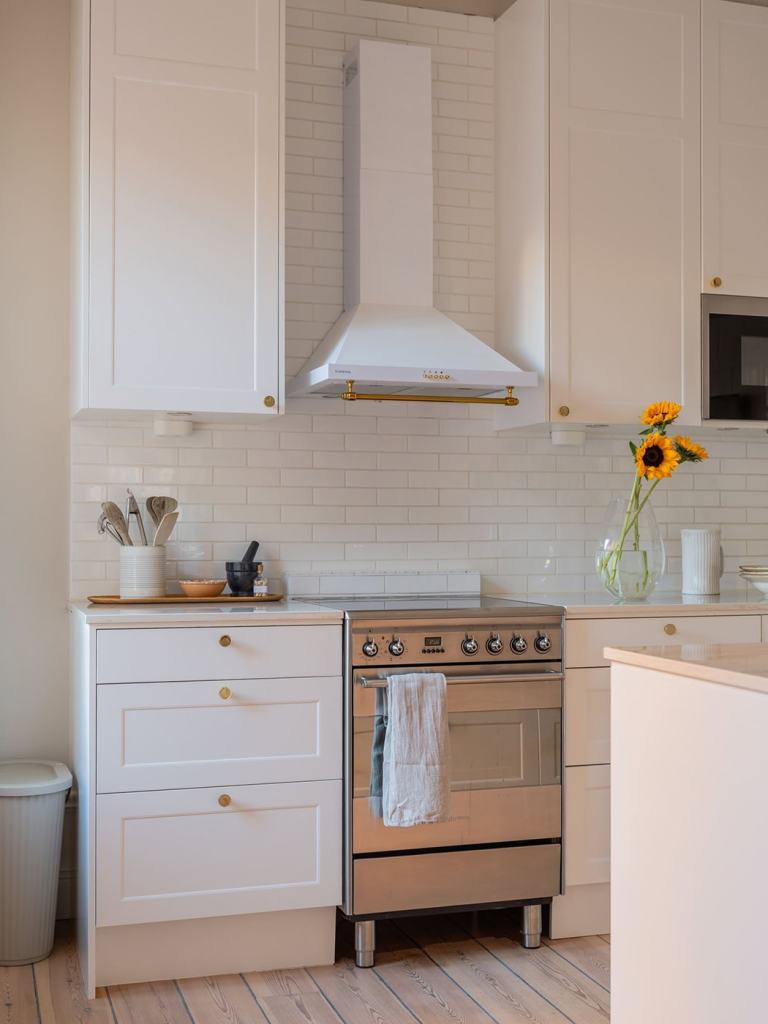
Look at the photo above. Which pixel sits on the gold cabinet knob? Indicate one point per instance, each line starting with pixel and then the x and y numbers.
pixel 670 629
pixel 269 401
pixel 564 410
pixel 225 640
pixel 225 693
pixel 225 800
pixel 716 282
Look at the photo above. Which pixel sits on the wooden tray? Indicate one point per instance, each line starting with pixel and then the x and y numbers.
pixel 183 599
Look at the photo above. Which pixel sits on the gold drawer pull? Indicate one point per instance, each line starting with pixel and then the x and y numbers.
pixel 716 282
pixel 225 693
pixel 225 800
pixel 670 629
pixel 225 640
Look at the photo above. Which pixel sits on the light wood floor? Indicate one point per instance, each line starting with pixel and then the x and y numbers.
pixel 463 969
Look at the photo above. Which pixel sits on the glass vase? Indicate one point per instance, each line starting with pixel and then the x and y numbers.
pixel 630 558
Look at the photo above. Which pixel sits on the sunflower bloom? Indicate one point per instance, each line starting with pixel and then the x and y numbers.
pixel 659 413
pixel 657 457
pixel 690 451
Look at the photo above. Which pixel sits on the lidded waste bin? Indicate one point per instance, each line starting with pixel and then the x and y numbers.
pixel 32 797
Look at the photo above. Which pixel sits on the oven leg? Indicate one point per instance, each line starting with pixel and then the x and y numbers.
pixel 532 926
pixel 365 943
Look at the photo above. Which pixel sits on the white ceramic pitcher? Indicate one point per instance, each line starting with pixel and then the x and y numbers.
pixel 702 560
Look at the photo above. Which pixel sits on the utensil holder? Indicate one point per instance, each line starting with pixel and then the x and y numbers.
pixel 142 571
pixel 702 560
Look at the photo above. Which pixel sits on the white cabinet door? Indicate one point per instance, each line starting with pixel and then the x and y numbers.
pixel 177 854
pixel 587 826
pixel 624 206
pixel 587 705
pixel 168 735
pixel 735 148
pixel 184 281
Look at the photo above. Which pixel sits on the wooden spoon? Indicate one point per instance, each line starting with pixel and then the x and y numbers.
pixel 160 505
pixel 116 519
pixel 165 528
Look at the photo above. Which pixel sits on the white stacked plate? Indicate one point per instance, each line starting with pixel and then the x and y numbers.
pixel 757 575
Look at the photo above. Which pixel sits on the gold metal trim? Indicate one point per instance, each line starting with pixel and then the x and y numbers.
pixel 350 395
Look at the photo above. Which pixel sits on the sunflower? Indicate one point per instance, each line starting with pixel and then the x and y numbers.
pixel 689 451
pixel 657 457
pixel 660 413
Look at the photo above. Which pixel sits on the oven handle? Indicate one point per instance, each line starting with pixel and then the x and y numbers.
pixel 381 682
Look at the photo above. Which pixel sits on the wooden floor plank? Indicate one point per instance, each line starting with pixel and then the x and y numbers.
pixel 279 983
pixel 428 993
pixel 501 992
pixel 303 1008
pixel 575 995
pixel 18 1003
pixel 590 954
pixel 155 1002
pixel 606 938
pixel 359 995
pixel 222 1000
pixel 60 992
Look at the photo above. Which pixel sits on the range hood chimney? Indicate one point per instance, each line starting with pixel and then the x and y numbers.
pixel 391 342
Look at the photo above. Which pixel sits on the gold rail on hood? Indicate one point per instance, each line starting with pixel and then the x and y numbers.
pixel 350 395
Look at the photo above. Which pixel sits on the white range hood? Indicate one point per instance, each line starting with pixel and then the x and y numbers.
pixel 391 339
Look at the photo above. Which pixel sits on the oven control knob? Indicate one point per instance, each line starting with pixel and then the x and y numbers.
pixel 494 644
pixel 542 643
pixel 469 645
pixel 519 644
pixel 396 647
pixel 370 648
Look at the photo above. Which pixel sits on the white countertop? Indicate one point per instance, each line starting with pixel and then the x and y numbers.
pixel 600 604
pixel 289 611
pixel 741 665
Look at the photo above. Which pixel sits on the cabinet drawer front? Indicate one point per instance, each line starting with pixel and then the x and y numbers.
pixel 229 652
pixel 167 856
pixel 587 825
pixel 587 699
pixel 586 639
pixel 177 735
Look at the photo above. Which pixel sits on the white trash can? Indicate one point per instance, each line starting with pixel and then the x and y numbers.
pixel 32 797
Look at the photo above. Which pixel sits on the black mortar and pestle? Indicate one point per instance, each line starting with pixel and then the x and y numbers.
pixel 242 575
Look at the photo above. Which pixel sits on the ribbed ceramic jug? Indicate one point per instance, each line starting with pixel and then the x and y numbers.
pixel 702 560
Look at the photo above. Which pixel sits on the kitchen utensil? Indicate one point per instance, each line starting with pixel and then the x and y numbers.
pixel 142 571
pixel 165 528
pixel 116 519
pixel 202 588
pixel 104 526
pixel 160 505
pixel 134 510
pixel 241 576
pixel 702 560
pixel 250 553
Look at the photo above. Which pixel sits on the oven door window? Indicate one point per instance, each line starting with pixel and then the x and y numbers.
pixel 738 367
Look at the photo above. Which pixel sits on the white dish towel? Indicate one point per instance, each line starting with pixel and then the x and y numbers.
pixel 416 775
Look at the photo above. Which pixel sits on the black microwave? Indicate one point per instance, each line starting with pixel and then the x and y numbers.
pixel 735 363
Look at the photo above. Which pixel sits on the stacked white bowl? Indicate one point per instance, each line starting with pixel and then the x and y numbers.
pixel 757 575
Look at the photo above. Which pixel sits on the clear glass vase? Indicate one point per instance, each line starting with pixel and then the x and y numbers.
pixel 630 558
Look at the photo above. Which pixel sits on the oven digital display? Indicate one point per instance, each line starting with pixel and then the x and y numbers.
pixel 433 641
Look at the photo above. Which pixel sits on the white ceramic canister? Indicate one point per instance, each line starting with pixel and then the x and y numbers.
pixel 142 571
pixel 702 560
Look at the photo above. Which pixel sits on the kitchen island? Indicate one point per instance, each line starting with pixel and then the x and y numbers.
pixel 689 833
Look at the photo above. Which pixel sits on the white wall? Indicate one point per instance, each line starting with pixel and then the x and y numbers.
pixel 34 425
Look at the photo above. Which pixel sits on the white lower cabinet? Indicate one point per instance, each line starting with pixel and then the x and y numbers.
pixel 584 907
pixel 195 853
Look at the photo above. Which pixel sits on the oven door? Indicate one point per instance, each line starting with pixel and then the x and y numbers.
pixel 735 334
pixel 505 732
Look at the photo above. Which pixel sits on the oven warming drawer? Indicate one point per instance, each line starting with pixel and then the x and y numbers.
pixel 455 878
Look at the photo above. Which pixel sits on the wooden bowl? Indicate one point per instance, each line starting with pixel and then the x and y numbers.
pixel 202 588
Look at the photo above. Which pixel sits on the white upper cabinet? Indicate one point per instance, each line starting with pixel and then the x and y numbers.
pixel 598 284
pixel 181 255
pixel 735 149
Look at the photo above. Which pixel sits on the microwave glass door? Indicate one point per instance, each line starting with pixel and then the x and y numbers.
pixel 738 367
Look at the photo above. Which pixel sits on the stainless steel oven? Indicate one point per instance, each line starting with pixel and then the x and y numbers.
pixel 501 844
pixel 735 358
